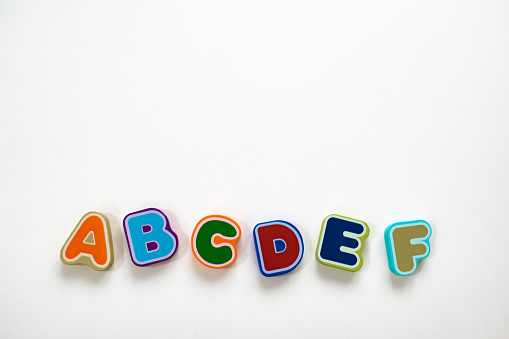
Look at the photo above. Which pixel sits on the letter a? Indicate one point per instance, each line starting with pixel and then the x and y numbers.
pixel 406 243
pixel 279 247
pixel 341 242
pixel 149 237
pixel 90 243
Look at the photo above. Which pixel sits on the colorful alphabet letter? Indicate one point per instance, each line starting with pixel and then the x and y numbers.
pixel 89 243
pixel 214 241
pixel 149 237
pixel 341 242
pixel 279 247
pixel 406 243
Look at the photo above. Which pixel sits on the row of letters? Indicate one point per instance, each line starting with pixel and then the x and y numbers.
pixel 279 245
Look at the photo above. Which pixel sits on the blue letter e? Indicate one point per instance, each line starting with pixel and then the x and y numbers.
pixel 341 242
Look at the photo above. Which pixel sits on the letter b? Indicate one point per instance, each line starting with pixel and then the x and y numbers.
pixel 149 237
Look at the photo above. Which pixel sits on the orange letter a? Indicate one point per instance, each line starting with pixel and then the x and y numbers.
pixel 90 243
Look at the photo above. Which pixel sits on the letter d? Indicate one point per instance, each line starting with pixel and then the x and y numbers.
pixel 279 247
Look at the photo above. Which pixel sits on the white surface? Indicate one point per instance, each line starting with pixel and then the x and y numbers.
pixel 379 110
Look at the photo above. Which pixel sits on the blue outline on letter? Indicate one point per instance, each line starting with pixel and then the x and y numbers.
pixel 259 255
pixel 389 245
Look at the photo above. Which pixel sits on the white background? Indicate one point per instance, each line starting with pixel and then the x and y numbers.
pixel 382 110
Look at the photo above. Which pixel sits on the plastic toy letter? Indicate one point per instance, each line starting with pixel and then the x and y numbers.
pixel 149 237
pixel 341 242
pixel 214 241
pixel 406 243
pixel 90 243
pixel 279 247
